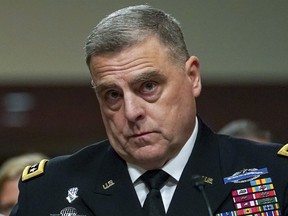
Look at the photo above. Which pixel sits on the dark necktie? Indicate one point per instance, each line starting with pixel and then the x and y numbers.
pixel 154 180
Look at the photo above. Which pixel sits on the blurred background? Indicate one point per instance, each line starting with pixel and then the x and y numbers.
pixel 48 106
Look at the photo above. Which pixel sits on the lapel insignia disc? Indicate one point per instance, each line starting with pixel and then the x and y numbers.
pixel 68 211
pixel 72 194
pixel 34 170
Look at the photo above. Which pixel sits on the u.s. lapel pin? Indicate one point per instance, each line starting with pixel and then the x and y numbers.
pixel 108 184
pixel 207 180
pixel 72 194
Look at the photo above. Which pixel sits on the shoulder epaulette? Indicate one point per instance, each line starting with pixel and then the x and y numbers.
pixel 34 170
pixel 283 151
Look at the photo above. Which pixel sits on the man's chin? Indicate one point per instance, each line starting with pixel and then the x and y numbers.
pixel 149 160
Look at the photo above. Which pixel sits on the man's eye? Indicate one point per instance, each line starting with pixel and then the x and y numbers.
pixel 112 95
pixel 148 87
pixel 112 98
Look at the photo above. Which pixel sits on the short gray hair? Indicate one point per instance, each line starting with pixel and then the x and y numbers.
pixel 129 26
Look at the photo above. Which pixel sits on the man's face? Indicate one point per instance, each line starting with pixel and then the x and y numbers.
pixel 147 101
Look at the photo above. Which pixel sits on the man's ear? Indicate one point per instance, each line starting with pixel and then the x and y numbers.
pixel 192 68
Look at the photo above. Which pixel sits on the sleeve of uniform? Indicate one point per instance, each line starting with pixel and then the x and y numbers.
pixel 29 173
pixel 14 211
pixel 19 208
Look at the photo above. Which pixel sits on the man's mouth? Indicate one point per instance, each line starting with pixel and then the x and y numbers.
pixel 142 134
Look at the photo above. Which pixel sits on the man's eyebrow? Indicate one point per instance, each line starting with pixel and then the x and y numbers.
pixel 103 86
pixel 147 76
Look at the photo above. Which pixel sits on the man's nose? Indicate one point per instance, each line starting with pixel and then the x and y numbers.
pixel 134 107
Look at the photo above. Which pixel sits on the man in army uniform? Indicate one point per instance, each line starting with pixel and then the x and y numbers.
pixel 146 84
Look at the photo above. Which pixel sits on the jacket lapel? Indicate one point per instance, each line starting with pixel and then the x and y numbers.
pixel 204 161
pixel 113 192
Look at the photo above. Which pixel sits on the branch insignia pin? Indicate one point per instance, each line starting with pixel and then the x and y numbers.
pixel 72 194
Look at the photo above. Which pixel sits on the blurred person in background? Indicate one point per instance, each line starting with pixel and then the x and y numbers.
pixel 248 129
pixel 10 172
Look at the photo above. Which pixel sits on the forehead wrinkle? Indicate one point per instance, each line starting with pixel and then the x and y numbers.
pixel 121 65
pixel 100 72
